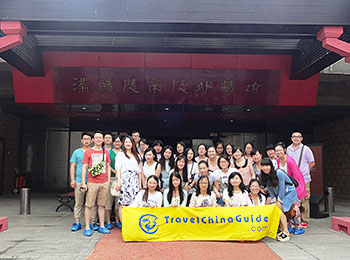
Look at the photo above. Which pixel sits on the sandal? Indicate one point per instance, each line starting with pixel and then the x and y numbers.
pixel 283 237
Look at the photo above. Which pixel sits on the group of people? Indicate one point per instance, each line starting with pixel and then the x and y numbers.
pixel 128 171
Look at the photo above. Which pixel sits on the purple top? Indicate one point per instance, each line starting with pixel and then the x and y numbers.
pixel 307 158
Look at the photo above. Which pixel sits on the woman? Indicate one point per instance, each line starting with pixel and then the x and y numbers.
pixel 257 157
pixel 282 192
pixel 150 166
pixel 117 144
pixel 143 146
pixel 181 168
pixel 243 166
pixel 288 165
pixel 202 151
pixel 219 148
pixel 175 196
pixel 254 196
pixel 128 171
pixel 228 151
pixel 192 165
pixel 180 148
pixel 150 197
pixel 222 175
pixel 203 168
pixel 248 147
pixel 235 195
pixel 203 196
pixel 167 162
pixel 213 159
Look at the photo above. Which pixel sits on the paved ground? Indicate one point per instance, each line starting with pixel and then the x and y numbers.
pixel 46 234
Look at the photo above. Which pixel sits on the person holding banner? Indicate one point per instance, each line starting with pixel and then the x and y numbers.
pixel 235 194
pixel 283 194
pixel 150 197
pixel 254 195
pixel 175 196
pixel 203 196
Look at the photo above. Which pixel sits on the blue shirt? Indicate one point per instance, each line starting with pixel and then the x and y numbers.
pixel 77 158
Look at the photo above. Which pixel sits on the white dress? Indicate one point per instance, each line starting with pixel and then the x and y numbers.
pixel 149 170
pixel 129 171
pixel 261 201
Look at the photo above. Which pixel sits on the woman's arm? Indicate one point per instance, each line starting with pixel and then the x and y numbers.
pixel 158 170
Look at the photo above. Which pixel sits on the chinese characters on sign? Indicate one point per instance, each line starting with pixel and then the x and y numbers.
pixel 166 86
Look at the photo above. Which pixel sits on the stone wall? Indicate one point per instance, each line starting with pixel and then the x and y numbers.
pixel 335 136
pixel 9 131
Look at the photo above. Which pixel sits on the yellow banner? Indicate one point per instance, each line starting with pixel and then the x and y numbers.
pixel 214 223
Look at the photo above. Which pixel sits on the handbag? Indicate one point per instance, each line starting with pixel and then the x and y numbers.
pixel 113 191
pixel 98 168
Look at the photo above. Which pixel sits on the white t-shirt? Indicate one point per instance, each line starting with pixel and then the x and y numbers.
pixel 192 169
pixel 261 201
pixel 123 164
pixel 149 170
pixel 223 178
pixel 237 199
pixel 203 201
pixel 153 199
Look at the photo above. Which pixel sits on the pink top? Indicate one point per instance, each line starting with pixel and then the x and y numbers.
pixel 294 171
pixel 244 171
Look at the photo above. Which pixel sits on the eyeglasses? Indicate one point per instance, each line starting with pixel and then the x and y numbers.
pixel 296 136
pixel 203 183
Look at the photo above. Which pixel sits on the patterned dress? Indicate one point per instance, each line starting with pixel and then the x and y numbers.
pixel 129 175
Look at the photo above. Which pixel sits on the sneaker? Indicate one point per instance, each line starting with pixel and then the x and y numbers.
pixel 299 231
pixel 76 227
pixel 88 232
pixel 305 225
pixel 118 224
pixel 103 230
pixel 109 226
pixel 291 230
pixel 283 237
pixel 93 227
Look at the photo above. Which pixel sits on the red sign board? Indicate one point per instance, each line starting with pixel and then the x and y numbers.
pixel 165 86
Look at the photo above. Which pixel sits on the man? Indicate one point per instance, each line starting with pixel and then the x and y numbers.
pixel 96 159
pixel 108 140
pixel 305 160
pixel 76 166
pixel 270 152
pixel 137 137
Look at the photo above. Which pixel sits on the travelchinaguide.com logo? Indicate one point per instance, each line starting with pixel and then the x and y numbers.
pixel 148 223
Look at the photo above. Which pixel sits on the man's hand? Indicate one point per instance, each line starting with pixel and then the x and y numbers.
pixel 73 184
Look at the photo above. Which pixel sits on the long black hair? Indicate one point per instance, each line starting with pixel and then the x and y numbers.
pixel 171 159
pixel 145 195
pixel 230 186
pixel 172 188
pixel 182 143
pixel 198 189
pixel 184 171
pixel 150 149
pixel 186 152
pixel 271 177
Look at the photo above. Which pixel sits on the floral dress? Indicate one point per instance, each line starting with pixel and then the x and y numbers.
pixel 129 175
